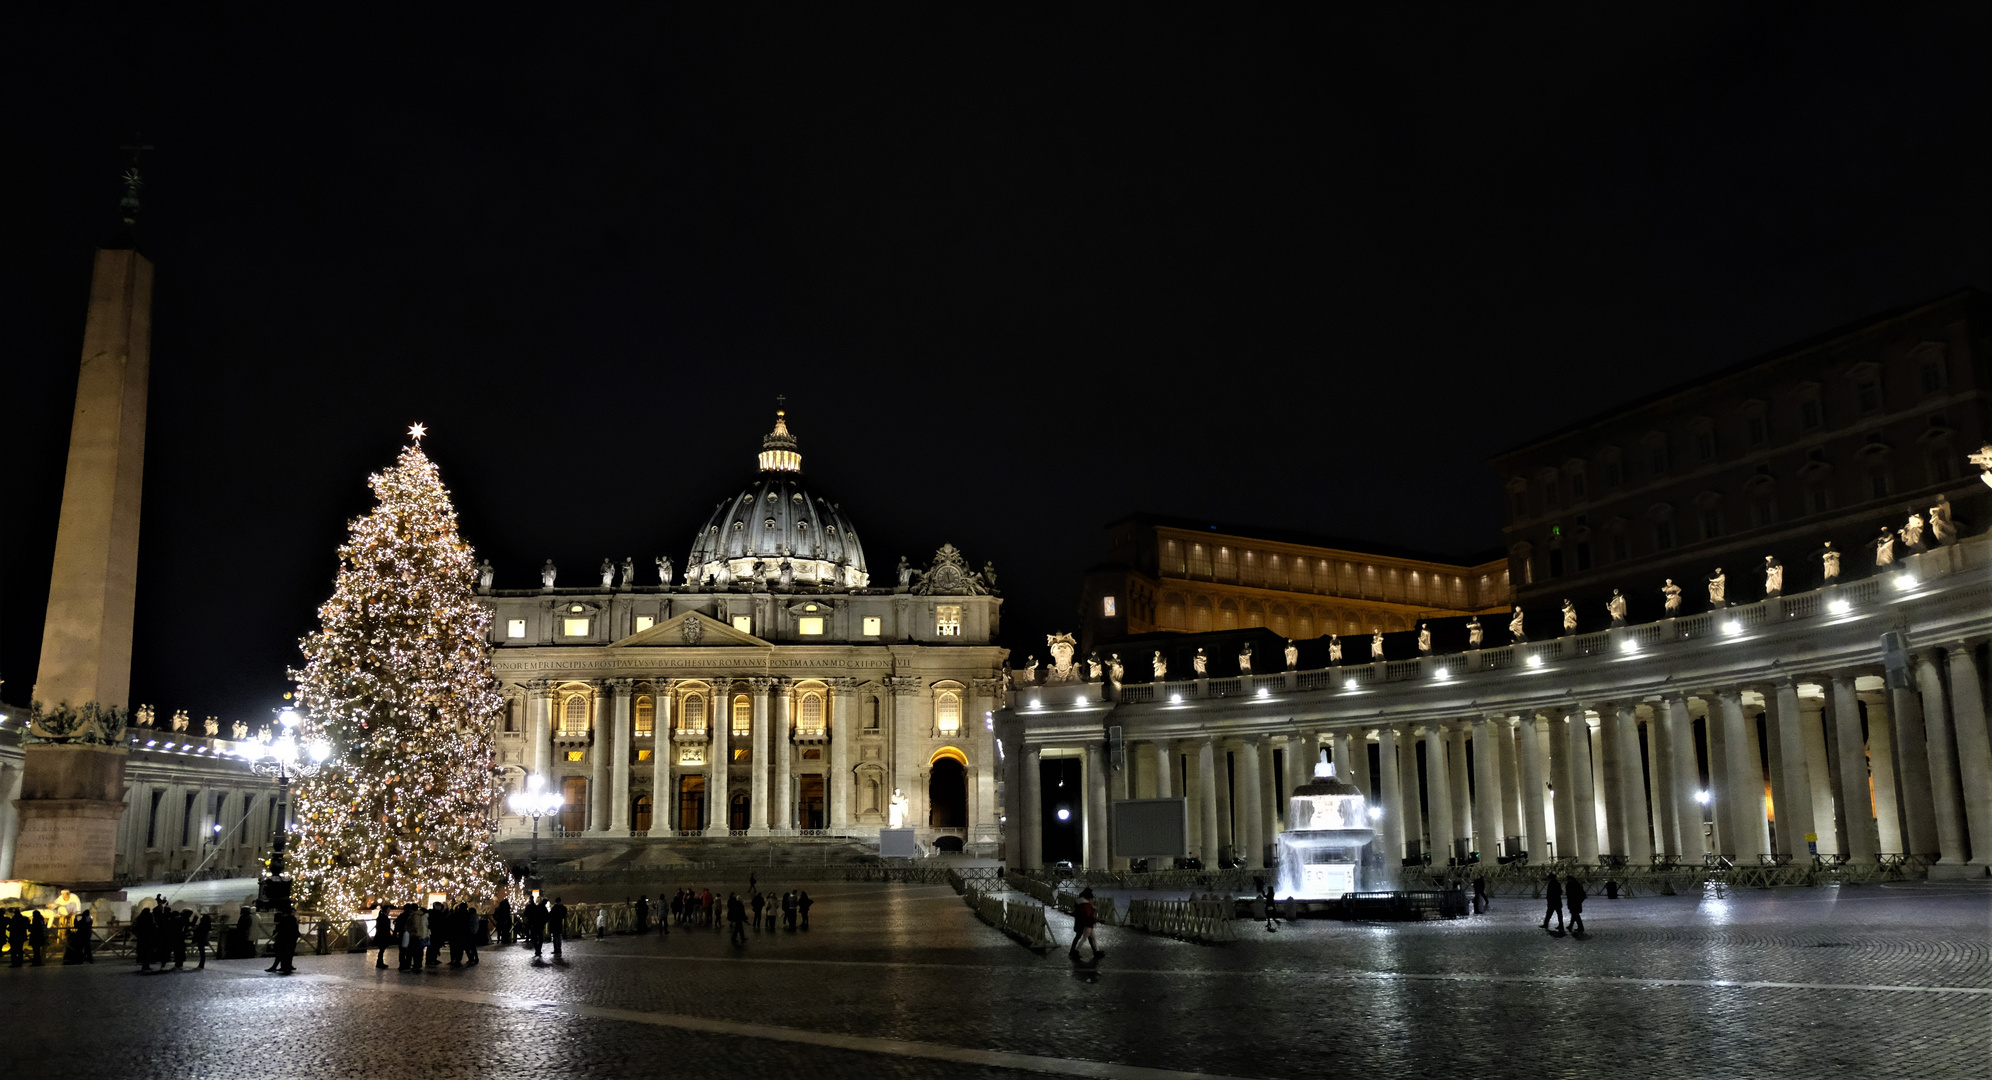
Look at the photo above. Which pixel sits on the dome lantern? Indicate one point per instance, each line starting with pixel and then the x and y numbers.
pixel 778 448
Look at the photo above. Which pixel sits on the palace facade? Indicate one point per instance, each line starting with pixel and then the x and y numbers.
pixel 775 689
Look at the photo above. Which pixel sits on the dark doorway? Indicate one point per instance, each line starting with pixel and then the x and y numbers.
pixel 736 816
pixel 809 802
pixel 640 816
pixel 574 812
pixel 947 795
pixel 691 802
pixel 1062 835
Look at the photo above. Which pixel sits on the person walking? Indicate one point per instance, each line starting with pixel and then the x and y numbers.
pixel 1479 895
pixel 1553 893
pixel 501 921
pixel 86 931
pixel 439 931
pixel 759 903
pixel 802 903
pixel 601 922
pixel 288 932
pixel 405 938
pixel 736 915
pixel 535 924
pixel 203 933
pixel 788 910
pixel 642 915
pixel 467 932
pixel 383 930
pixel 38 938
pixel 1084 918
pixel 1573 894
pixel 557 922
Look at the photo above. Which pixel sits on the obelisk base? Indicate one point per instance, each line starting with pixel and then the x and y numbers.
pixel 71 799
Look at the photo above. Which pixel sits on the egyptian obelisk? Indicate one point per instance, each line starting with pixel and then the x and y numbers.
pixel 72 786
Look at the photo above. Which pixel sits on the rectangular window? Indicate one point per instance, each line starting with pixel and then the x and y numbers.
pixel 644 622
pixel 1656 459
pixel 1817 500
pixel 1583 555
pixel 1810 415
pixel 947 714
pixel 872 626
pixel 1621 551
pixel 743 716
pixel 515 628
pixel 574 627
pixel 576 755
pixel 643 755
pixel 947 620
pixel 1933 376
pixel 1107 607
pixel 1759 430
pixel 1867 395
pixel 1940 468
pixel 646 716
pixel 1576 485
pixel 1663 535
pixel 1172 558
pixel 1555 562
pixel 1711 523
pixel 1704 445
pixel 744 623
pixel 1614 474
pixel 1227 563
pixel 1878 484
pixel 810 626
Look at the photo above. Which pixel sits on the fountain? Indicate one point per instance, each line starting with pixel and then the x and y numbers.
pixel 1322 852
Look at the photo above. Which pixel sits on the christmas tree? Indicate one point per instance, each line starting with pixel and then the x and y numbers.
pixel 398 680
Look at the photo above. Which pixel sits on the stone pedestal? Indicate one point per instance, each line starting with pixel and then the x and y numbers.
pixel 71 799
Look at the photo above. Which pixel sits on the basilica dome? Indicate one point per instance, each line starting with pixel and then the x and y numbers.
pixel 776 520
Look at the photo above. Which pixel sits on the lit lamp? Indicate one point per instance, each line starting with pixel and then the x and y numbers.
pixel 283 758
pixel 535 803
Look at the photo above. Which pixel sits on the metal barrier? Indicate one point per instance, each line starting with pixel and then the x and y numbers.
pixel 1020 919
pixel 1191 920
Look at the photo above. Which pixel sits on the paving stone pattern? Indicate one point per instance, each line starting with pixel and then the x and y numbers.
pixel 1887 981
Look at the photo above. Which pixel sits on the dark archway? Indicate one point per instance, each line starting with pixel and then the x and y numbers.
pixel 947 795
pixel 1061 791
pixel 737 813
pixel 691 802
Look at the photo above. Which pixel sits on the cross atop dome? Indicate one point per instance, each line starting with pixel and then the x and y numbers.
pixel 778 448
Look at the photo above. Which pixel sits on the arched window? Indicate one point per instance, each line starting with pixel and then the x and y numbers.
pixel 947 712
pixel 511 716
pixel 809 719
pixel 574 715
pixel 694 721
pixel 1303 625
pixel 1227 615
pixel 1174 614
pixel 646 716
pixel 1200 617
pixel 743 716
pixel 1278 617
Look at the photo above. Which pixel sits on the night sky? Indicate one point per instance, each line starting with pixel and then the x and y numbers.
pixel 1303 268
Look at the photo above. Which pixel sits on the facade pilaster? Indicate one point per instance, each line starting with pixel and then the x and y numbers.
pixel 538 694
pixel 663 759
pixel 843 692
pixel 1856 808
pixel 619 756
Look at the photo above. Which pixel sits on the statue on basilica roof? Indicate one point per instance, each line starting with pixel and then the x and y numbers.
pixel 1830 563
pixel 1515 625
pixel 1942 529
pixel 1616 608
pixel 547 573
pixel 1672 592
pixel 664 570
pixel 608 574
pixel 484 576
pixel 1773 576
pixel 628 573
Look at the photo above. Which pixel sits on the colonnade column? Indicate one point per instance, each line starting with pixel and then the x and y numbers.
pixel 1684 778
pixel 1308 749
pixel 1389 788
pixel 1819 772
pixel 1745 776
pixel 1557 727
pixel 1251 814
pixel 1359 766
pixel 1632 779
pixel 1974 748
pixel 1660 783
pixel 783 819
pixel 1417 828
pixel 1165 771
pixel 1856 809
pixel 1096 782
pixel 1120 786
pixel 842 725
pixel 1438 794
pixel 1459 788
pixel 1207 803
pixel 1510 782
pixel 1912 760
pixel 619 757
pixel 1794 803
pixel 537 694
pixel 1611 772
pixel 598 761
pixel 1584 797
pixel 1032 809
pixel 663 760
pixel 1533 789
pixel 1881 762
pixel 1946 798
pixel 1269 794
pixel 1487 816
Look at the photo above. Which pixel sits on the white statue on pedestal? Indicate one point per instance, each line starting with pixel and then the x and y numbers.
pixel 1884 547
pixel 1673 594
pixel 1718 589
pixel 1773 576
pixel 1942 529
pixel 241 730
pixel 628 573
pixel 1334 650
pixel 1616 607
pixel 1200 663
pixel 1062 648
pixel 1376 643
pixel 546 575
pixel 1474 633
pixel 1245 659
pixel 484 574
pixel 1830 563
pixel 608 574
pixel 180 720
pixel 664 570
pixel 1569 617
pixel 1161 666
pixel 211 726
pixel 896 809
pixel 1292 655
pixel 1912 533
pixel 1424 639
pixel 1515 625
pixel 1115 669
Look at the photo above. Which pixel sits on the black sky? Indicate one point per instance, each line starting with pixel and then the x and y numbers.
pixel 1020 271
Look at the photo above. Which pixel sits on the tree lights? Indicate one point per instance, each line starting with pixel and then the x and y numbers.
pixel 399 687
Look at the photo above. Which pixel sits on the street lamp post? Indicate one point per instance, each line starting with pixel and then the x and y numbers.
pixel 282 758
pixel 535 802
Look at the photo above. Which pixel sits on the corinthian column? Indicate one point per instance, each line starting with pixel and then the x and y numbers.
pixel 1856 808
pixel 842 693
pixel 757 786
pixel 663 758
pixel 598 762
pixel 1974 748
pixel 784 819
pixel 619 757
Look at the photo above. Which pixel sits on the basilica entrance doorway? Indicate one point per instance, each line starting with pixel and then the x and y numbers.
pixel 574 812
pixel 809 802
pixel 736 815
pixel 691 802
pixel 639 818
pixel 947 795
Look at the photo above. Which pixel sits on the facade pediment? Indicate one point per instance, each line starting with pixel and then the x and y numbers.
pixel 691 629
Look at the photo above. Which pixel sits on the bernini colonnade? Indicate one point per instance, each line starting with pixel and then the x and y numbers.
pixel 1855 714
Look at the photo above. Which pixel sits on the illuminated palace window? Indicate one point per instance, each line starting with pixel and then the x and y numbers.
pixel 873 627
pixel 744 623
pixel 574 627
pixel 947 712
pixel 644 622
pixel 947 620
pixel 574 715
pixel 743 716
pixel 809 719
pixel 1107 607
pixel 694 721
pixel 809 626
pixel 646 716
pixel 515 628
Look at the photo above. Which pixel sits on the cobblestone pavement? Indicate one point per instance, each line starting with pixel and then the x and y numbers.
pixel 904 981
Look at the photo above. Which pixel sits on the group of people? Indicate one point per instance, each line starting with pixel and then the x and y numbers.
pixel 420 934
pixel 1566 892
pixel 26 935
pixel 160 935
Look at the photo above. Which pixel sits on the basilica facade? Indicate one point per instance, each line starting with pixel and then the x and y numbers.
pixel 776 687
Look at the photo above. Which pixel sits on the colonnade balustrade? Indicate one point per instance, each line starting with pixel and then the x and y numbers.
pixel 1846 725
